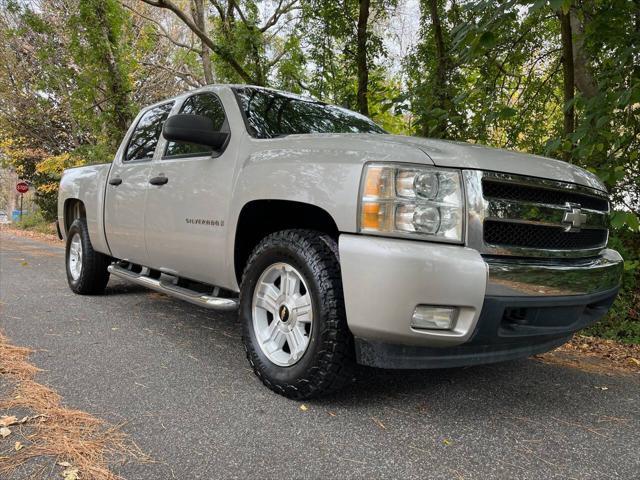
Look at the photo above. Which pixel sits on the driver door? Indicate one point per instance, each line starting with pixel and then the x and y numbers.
pixel 186 212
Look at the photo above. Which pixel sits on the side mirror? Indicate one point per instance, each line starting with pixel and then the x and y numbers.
pixel 193 129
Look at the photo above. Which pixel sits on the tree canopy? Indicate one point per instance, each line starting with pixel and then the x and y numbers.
pixel 553 77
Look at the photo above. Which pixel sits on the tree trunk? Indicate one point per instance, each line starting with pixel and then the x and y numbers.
pixel 197 13
pixel 116 85
pixel 582 71
pixel 361 58
pixel 568 72
pixel 442 66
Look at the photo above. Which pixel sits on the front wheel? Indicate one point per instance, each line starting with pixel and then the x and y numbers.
pixel 292 309
pixel 86 269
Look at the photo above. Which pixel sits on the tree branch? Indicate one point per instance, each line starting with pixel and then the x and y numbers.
pixel 215 48
pixel 184 76
pixel 163 31
pixel 279 11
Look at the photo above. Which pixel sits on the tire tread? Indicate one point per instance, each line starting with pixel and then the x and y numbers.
pixel 334 365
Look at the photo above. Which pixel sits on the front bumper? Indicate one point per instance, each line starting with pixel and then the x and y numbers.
pixel 507 308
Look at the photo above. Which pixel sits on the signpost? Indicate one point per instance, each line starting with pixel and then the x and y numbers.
pixel 22 188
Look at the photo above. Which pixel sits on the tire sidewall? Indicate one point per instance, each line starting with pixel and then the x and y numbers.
pixel 292 255
pixel 77 228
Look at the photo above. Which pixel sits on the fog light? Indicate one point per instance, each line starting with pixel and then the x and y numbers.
pixel 434 318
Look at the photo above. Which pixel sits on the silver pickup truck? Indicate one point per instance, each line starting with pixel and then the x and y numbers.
pixel 338 243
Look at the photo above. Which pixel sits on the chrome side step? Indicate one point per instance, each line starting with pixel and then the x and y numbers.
pixel 197 298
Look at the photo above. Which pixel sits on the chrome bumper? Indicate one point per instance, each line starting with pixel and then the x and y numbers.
pixel 520 277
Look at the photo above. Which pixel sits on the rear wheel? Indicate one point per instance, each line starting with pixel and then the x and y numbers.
pixel 86 269
pixel 294 323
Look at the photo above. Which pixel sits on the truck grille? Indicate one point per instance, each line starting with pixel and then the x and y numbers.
pixel 541 237
pixel 524 193
pixel 527 216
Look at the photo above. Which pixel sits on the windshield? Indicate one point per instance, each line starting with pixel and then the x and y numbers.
pixel 270 114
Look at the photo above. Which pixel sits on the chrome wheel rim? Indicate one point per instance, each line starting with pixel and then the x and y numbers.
pixel 75 256
pixel 282 314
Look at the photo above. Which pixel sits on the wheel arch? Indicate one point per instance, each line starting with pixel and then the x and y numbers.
pixel 73 208
pixel 259 218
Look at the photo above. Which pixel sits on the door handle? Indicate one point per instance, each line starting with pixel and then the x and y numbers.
pixel 158 180
pixel 115 181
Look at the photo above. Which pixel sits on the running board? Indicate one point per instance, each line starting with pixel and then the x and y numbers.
pixel 197 298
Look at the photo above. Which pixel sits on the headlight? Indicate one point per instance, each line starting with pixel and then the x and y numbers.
pixel 421 202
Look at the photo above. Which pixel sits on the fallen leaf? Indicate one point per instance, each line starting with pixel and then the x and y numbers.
pixel 18 446
pixel 70 474
pixel 634 360
pixel 24 264
pixel 446 442
pixel 6 421
pixel 4 432
pixel 303 407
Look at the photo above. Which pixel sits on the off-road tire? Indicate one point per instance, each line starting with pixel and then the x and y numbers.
pixel 93 275
pixel 328 363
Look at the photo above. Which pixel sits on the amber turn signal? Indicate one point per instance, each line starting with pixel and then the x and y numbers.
pixel 371 215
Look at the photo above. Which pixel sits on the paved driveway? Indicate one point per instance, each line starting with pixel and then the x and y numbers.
pixel 178 376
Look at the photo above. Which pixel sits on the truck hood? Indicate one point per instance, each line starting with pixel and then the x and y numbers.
pixel 445 153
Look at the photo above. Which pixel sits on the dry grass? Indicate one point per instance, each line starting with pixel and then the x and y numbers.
pixel 70 437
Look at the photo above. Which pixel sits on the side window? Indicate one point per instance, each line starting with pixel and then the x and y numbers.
pixel 205 104
pixel 144 138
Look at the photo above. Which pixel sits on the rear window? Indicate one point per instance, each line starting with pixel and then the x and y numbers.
pixel 145 137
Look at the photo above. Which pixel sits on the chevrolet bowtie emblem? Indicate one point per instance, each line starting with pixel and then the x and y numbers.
pixel 573 219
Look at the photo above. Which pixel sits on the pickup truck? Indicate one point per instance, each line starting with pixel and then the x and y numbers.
pixel 339 244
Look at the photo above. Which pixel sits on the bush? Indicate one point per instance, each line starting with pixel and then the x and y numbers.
pixel 622 323
pixel 37 223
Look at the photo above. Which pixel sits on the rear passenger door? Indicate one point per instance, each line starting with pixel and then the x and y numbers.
pixel 127 187
pixel 186 214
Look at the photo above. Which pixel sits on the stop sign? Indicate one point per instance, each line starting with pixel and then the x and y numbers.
pixel 22 187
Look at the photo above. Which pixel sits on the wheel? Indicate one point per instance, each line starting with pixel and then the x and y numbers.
pixel 86 269
pixel 294 324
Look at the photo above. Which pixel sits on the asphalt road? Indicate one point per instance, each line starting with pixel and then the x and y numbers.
pixel 178 376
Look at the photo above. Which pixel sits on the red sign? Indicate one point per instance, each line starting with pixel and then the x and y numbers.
pixel 22 187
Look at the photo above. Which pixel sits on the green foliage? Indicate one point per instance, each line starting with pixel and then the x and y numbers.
pixel 72 62
pixel 100 46
pixel 36 222
pixel 623 320
pixel 330 33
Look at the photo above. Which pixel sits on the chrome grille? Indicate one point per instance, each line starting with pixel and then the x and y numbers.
pixel 526 216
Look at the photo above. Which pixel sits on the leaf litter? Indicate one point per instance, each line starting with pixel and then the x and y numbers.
pixel 596 355
pixel 80 443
